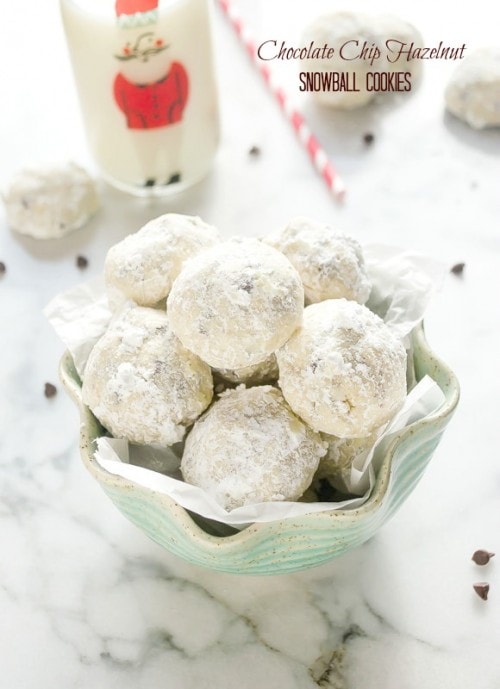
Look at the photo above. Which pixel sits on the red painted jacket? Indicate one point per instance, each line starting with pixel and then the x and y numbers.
pixel 153 105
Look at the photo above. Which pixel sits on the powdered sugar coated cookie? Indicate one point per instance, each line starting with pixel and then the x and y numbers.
pixel 250 447
pixel 349 33
pixel 141 383
pixel 473 93
pixel 330 264
pixel 341 454
pixel 236 303
pixel 144 265
pixel 343 371
pixel 49 201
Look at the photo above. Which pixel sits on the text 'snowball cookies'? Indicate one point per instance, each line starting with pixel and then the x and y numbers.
pixel 348 33
pixel 330 264
pixel 343 371
pixel 144 265
pixel 236 303
pixel 50 201
pixel 141 383
pixel 473 93
pixel 259 374
pixel 250 447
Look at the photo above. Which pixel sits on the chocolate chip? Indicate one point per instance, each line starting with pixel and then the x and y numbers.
pixel 24 202
pixel 482 557
pixel 457 269
pixel 3 268
pixel 368 138
pixel 254 151
pixel 82 261
pixel 482 588
pixel 246 286
pixel 50 390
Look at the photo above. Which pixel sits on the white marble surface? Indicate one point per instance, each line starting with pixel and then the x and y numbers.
pixel 86 601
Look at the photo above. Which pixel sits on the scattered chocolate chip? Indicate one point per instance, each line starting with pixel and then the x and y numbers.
pixel 24 202
pixel 254 151
pixel 368 138
pixel 50 390
pixel 457 269
pixel 82 261
pixel 482 589
pixel 482 557
pixel 3 268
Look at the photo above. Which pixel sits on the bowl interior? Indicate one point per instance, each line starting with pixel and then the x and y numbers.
pixel 219 546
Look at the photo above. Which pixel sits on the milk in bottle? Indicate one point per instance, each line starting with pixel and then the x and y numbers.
pixel 145 78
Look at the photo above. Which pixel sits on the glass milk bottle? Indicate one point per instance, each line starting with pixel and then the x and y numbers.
pixel 145 78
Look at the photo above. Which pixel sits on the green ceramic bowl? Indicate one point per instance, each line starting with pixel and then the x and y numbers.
pixel 290 544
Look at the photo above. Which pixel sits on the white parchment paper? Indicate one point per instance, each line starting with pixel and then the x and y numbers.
pixel 113 455
pixel 80 317
pixel 403 285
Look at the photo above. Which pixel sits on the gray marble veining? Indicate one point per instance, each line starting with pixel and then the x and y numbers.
pixel 86 601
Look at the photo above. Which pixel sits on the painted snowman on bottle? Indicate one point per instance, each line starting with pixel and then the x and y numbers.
pixel 151 89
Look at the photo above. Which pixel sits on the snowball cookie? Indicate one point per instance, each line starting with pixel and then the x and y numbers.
pixel 341 455
pixel 264 372
pixel 50 201
pixel 392 32
pixel 250 447
pixel 144 265
pixel 343 371
pixel 243 300
pixel 141 383
pixel 330 264
pixel 473 93
pixel 347 33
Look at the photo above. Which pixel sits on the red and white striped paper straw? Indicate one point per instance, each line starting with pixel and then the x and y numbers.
pixel 316 152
